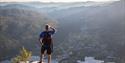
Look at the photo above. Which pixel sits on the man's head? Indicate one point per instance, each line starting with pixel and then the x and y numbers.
pixel 47 27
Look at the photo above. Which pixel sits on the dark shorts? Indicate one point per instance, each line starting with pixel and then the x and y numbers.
pixel 47 48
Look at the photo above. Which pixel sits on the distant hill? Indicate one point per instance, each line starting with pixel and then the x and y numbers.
pixel 93 30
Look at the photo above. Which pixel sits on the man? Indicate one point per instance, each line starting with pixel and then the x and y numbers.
pixel 46 42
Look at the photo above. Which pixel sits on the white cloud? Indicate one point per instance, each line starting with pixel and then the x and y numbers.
pixel 55 0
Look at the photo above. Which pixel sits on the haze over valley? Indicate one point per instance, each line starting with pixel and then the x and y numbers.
pixel 83 29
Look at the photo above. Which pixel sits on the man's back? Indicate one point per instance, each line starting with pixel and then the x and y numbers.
pixel 47 39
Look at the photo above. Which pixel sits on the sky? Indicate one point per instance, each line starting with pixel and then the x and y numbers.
pixel 56 0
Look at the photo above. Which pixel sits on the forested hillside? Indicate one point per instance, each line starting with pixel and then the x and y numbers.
pixel 20 27
pixel 82 30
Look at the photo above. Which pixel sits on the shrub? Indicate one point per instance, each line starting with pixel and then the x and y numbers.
pixel 23 56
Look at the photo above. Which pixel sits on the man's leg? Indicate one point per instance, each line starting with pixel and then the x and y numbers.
pixel 49 52
pixel 41 57
pixel 49 58
pixel 42 54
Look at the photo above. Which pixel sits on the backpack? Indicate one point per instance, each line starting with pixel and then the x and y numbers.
pixel 47 40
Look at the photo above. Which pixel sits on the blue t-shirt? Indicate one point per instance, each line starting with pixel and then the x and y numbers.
pixel 44 32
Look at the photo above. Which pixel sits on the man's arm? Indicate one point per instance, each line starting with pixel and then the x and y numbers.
pixel 53 30
pixel 40 40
